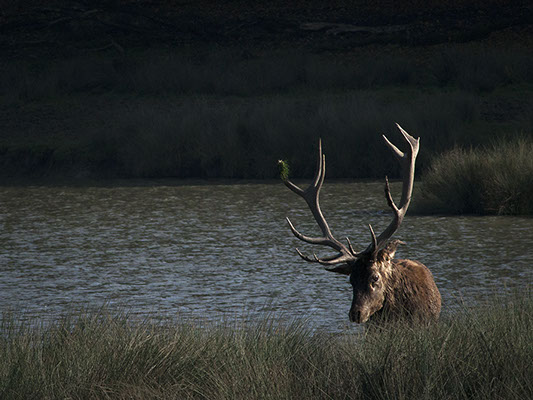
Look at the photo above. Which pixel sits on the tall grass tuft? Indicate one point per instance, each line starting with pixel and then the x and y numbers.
pixel 495 179
pixel 481 353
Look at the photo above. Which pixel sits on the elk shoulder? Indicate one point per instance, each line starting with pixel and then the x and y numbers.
pixel 412 291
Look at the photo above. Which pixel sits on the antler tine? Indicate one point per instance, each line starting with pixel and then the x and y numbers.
pixel 306 258
pixel 374 243
pixel 350 246
pixel 308 239
pixel 320 168
pixel 407 161
pixel 340 258
pixel 296 189
pixel 327 261
pixel 315 258
pixel 311 196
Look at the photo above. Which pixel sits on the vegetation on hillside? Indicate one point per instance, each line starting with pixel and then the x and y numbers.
pixel 226 114
pixel 199 90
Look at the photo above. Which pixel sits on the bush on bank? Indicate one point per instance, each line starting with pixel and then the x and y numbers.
pixel 482 353
pixel 496 179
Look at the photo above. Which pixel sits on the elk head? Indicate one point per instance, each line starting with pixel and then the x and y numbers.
pixel 372 271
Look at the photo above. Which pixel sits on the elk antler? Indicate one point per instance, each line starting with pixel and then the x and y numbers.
pixel 311 196
pixel 407 161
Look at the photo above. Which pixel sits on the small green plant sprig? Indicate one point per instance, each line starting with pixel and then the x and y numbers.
pixel 283 167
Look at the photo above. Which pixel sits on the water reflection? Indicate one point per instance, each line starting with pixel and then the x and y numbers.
pixel 224 251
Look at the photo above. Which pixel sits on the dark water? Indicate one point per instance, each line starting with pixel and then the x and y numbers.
pixel 224 252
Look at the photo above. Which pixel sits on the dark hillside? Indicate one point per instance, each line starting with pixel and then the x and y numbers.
pixel 222 89
pixel 64 26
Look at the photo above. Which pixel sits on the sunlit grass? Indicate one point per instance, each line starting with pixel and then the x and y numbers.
pixel 496 179
pixel 482 353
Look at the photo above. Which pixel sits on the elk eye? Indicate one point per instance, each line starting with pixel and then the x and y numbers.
pixel 374 278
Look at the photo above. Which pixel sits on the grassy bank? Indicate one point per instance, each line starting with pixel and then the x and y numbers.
pixel 482 353
pixel 494 179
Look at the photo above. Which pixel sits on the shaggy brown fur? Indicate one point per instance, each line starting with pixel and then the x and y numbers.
pixel 390 289
pixel 411 291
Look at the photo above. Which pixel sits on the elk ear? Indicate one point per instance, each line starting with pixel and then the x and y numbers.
pixel 388 252
pixel 344 269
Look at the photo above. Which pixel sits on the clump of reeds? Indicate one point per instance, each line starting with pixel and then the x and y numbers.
pixel 495 179
pixel 483 353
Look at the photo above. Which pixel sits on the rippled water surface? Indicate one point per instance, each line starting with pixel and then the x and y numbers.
pixel 225 251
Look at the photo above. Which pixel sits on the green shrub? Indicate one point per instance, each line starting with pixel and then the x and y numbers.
pixel 495 179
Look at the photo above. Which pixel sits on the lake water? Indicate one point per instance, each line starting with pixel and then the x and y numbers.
pixel 225 252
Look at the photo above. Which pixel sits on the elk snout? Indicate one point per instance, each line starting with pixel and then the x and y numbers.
pixel 358 316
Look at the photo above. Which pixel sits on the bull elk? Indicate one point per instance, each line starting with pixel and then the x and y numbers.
pixel 383 287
